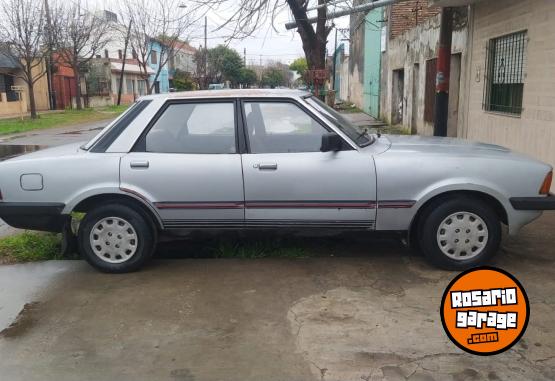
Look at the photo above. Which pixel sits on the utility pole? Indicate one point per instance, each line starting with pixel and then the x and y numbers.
pixel 205 52
pixel 334 60
pixel 51 95
pixel 443 72
pixel 123 62
pixel 245 57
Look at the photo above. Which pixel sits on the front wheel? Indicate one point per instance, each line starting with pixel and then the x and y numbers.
pixel 459 233
pixel 115 238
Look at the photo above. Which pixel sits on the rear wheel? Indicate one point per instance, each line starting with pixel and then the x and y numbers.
pixel 115 238
pixel 459 233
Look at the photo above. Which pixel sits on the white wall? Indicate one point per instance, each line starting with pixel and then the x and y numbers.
pixel 533 132
pixel 416 46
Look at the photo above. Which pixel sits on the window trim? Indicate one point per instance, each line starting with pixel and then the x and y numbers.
pixel 245 132
pixel 140 143
pixel 491 44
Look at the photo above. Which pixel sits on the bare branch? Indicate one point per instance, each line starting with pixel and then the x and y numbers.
pixel 21 32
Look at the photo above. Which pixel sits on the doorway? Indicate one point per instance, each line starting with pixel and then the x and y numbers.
pixel 397 99
pixel 454 90
pixel 415 98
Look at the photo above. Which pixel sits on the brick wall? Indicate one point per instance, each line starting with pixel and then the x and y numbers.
pixel 405 15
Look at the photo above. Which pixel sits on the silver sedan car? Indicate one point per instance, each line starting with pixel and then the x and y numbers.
pixel 259 159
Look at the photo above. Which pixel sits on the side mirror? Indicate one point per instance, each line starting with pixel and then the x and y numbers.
pixel 331 142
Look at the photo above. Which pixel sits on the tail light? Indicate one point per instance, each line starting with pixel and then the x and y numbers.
pixel 546 185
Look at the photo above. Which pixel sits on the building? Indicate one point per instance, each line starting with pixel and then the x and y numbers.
pixel 161 79
pixel 409 60
pixel 104 74
pixel 510 75
pixel 365 60
pixel 182 58
pixel 11 104
pixel 341 79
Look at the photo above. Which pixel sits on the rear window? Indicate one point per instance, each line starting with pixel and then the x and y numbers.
pixel 102 141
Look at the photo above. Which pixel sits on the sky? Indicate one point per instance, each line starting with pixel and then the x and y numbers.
pixel 265 45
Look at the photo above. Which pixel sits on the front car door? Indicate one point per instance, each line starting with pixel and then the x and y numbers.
pixel 290 182
pixel 187 164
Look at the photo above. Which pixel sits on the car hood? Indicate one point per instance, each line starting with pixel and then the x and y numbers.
pixel 441 145
pixel 53 152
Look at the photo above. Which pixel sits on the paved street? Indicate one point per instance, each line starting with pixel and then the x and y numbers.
pixel 369 312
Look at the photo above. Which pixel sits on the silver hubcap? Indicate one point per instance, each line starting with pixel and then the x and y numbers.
pixel 113 240
pixel 462 236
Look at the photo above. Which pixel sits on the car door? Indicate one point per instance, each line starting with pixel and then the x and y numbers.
pixel 290 182
pixel 187 164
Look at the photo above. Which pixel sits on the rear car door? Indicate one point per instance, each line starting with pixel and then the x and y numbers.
pixel 187 164
pixel 290 182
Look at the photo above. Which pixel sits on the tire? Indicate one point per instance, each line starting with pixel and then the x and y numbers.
pixel 116 238
pixel 459 233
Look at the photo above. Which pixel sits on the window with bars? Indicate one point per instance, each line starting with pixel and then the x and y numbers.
pixel 505 72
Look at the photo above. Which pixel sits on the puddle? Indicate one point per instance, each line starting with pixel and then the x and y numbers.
pixel 23 284
pixel 7 151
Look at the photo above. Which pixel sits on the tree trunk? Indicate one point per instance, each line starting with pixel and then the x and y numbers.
pixel 77 77
pixel 314 41
pixel 31 89
pixel 32 103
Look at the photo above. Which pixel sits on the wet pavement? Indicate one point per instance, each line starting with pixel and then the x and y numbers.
pixel 53 136
pixel 361 309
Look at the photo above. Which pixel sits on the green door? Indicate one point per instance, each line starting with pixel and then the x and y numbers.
pixel 372 62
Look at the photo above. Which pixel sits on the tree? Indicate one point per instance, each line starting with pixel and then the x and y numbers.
pixel 161 22
pixel 182 81
pixel 21 31
pixel 224 64
pixel 273 77
pixel 248 77
pixel 78 36
pixel 299 66
pixel 250 15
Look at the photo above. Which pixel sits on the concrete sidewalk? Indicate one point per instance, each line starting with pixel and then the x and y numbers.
pixel 363 310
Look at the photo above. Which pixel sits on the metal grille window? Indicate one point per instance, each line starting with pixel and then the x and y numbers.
pixel 505 72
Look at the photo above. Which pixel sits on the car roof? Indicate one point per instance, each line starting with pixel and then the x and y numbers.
pixel 231 93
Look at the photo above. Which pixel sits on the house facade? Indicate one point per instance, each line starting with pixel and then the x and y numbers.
pixel 409 61
pixel 155 59
pixel 13 102
pixel 182 58
pixel 510 77
pixel 365 60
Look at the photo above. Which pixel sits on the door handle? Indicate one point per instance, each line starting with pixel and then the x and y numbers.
pixel 266 166
pixel 139 164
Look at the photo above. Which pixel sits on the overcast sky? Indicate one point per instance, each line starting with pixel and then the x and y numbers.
pixel 265 45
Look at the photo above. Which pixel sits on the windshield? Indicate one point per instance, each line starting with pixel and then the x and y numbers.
pixel 360 137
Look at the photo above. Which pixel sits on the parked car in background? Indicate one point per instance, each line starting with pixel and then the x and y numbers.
pixel 262 159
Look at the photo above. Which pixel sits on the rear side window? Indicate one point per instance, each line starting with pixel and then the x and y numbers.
pixel 107 138
pixel 196 128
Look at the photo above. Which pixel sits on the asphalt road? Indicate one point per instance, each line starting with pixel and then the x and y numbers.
pixel 361 310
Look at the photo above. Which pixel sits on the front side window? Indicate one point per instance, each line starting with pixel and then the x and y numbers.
pixel 505 72
pixel 281 127
pixel 195 128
